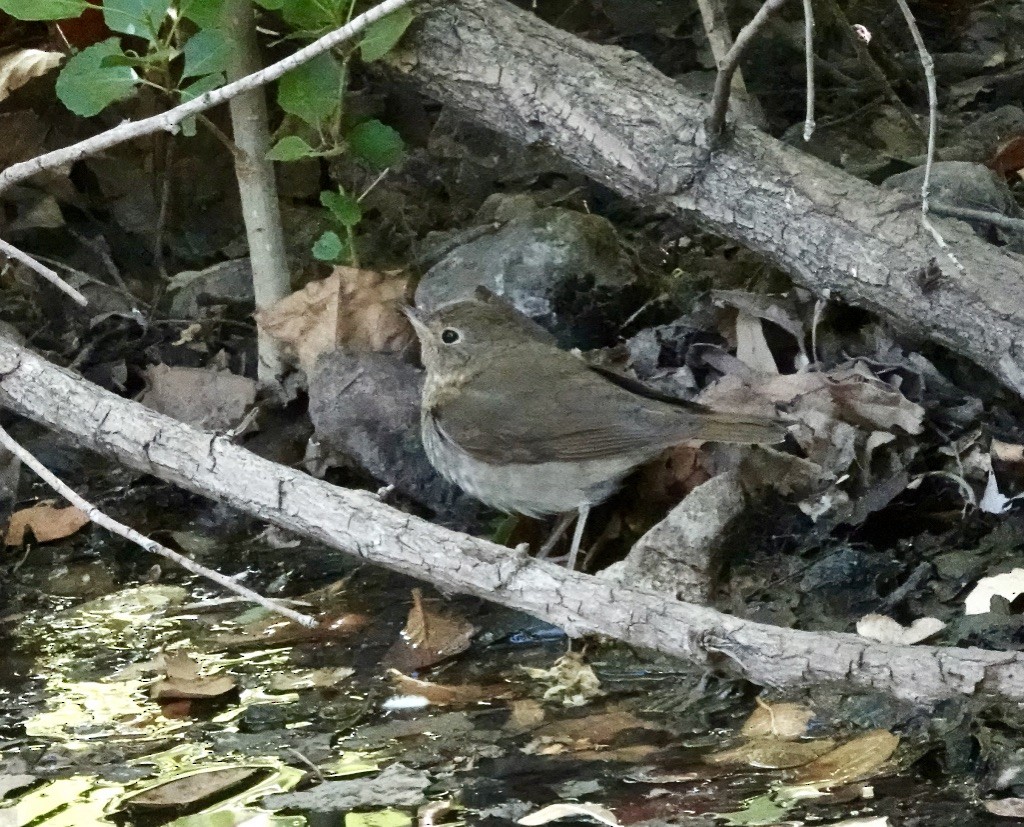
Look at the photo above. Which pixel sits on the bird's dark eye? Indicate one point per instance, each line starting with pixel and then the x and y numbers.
pixel 450 336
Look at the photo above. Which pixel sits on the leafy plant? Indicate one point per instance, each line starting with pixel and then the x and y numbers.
pixel 182 48
pixel 346 212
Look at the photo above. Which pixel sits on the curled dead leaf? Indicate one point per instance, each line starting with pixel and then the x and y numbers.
pixel 772 753
pixel 19 67
pixel 441 694
pixel 206 398
pixel 191 790
pixel 183 681
pixel 430 636
pixel 860 758
pixel 784 720
pixel 46 521
pixel 309 322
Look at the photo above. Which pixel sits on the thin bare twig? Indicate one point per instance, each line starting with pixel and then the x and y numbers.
pixel 165 206
pixel 1005 222
pixel 143 542
pixel 170 119
pixel 869 63
pixel 933 116
pixel 809 68
pixel 727 68
pixel 51 276
pixel 715 18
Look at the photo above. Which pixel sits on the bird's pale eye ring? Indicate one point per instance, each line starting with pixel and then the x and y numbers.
pixel 450 336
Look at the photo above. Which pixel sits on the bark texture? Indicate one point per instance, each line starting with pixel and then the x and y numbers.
pixel 357 522
pixel 617 119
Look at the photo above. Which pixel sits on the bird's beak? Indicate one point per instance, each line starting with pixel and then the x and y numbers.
pixel 414 317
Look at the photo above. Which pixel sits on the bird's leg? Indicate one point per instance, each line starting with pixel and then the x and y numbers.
pixel 577 536
pixel 556 534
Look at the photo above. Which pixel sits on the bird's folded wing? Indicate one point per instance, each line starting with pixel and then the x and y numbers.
pixel 575 416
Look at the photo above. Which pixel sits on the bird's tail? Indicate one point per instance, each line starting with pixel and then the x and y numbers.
pixel 743 429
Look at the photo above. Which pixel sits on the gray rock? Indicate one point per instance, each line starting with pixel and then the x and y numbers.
pixel 396 786
pixel 229 282
pixel 366 406
pixel 964 185
pixel 564 269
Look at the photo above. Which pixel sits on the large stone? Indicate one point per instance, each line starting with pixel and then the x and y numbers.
pixel 564 269
pixel 366 407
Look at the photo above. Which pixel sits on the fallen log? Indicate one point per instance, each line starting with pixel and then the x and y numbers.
pixel 615 118
pixel 358 523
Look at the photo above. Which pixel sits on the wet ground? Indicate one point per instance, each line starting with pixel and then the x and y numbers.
pixel 131 694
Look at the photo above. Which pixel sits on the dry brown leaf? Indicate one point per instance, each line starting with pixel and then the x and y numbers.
pixel 441 694
pixel 308 322
pixel 870 402
pixel 190 790
pixel 859 758
pixel 1009 157
pixel 429 637
pixel 19 67
pixel 175 689
pixel 772 753
pixel 601 728
pixel 525 715
pixel 206 398
pixel 673 475
pixel 46 521
pixel 183 681
pixel 275 631
pixel 784 720
pixel 310 679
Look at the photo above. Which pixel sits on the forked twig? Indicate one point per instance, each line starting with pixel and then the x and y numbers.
pixel 728 66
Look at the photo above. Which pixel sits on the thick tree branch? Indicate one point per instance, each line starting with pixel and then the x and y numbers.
pixel 614 117
pixel 357 522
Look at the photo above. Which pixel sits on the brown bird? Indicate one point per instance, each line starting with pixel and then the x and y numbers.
pixel 527 428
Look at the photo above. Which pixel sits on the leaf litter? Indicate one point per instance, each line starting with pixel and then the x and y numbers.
pixel 893 460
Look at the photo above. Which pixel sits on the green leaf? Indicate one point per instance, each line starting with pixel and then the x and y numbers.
pixel 290 148
pixel 136 17
pixel 376 143
pixel 343 207
pixel 205 14
pixel 269 5
pixel 381 37
pixel 208 50
pixel 380 818
pixel 314 15
pixel 43 9
pixel 312 91
pixel 205 84
pixel 86 86
pixel 329 247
